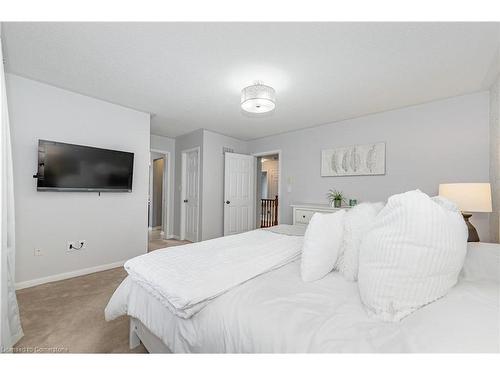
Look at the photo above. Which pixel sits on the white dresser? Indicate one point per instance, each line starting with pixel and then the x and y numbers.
pixel 302 212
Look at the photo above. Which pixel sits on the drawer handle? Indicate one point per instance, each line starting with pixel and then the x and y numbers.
pixel 303 216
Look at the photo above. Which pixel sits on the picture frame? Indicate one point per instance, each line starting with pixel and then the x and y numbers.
pixel 355 160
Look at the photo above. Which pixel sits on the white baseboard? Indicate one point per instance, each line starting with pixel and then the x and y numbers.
pixel 68 275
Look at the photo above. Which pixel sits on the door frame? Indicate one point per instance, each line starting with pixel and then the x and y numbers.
pixel 183 193
pixel 280 193
pixel 165 204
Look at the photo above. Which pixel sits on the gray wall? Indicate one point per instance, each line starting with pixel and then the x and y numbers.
pixel 185 142
pixel 495 157
pixel 114 225
pixel 213 177
pixel 438 142
pixel 211 221
pixel 167 144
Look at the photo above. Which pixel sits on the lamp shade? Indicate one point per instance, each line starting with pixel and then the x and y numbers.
pixel 258 98
pixel 470 197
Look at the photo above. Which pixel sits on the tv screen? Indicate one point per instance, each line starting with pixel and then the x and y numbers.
pixel 67 167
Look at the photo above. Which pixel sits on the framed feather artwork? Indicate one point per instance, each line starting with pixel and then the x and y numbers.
pixel 357 160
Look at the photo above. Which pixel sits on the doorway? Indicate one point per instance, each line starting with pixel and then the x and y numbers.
pixel 268 189
pixel 157 193
pixel 158 197
pixel 190 194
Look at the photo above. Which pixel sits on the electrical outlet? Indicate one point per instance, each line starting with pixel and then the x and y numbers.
pixel 82 244
pixel 38 252
pixel 75 246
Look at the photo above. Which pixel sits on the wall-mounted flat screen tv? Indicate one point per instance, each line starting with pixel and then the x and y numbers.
pixel 67 167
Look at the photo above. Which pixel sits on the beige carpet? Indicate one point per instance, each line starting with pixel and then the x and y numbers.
pixel 68 316
pixel 156 242
pixel 160 244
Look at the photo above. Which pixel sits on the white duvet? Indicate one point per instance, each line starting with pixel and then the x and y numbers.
pixel 186 278
pixel 278 312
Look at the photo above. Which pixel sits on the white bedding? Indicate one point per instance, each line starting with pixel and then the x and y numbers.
pixel 278 312
pixel 186 278
pixel 287 229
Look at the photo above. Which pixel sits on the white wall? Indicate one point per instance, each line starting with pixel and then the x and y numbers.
pixel 213 177
pixel 495 158
pixel 114 225
pixel 167 144
pixel 438 142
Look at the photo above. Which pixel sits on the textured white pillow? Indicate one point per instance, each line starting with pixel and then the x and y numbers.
pixel 321 245
pixel 412 255
pixel 357 222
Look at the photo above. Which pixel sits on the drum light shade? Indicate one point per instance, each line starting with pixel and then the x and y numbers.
pixel 258 98
pixel 470 197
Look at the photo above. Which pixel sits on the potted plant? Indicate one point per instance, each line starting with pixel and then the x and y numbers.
pixel 336 198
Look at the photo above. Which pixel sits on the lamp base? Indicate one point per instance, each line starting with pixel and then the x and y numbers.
pixel 473 236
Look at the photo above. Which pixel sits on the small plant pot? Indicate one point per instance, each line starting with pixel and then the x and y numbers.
pixel 337 203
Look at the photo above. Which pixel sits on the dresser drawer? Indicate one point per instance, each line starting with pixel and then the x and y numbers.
pixel 303 216
pixel 303 213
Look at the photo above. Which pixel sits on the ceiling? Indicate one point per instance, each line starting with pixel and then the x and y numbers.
pixel 190 75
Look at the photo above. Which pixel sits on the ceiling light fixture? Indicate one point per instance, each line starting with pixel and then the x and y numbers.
pixel 258 98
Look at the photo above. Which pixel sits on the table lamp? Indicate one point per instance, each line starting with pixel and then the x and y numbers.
pixel 469 197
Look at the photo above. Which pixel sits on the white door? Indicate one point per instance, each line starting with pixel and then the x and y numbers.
pixel 239 193
pixel 190 196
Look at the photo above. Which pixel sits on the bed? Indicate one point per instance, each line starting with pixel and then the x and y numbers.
pixel 277 312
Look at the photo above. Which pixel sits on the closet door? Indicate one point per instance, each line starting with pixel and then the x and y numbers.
pixel 190 194
pixel 239 193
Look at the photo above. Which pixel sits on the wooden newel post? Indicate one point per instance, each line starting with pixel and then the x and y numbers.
pixel 275 211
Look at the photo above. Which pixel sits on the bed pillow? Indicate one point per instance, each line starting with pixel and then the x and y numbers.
pixel 412 255
pixel 321 245
pixel 357 222
pixel 482 262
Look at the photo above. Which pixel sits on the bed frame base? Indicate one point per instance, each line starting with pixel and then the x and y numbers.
pixel 139 333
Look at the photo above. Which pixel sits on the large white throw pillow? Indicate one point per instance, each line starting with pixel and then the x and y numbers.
pixel 321 245
pixel 357 223
pixel 412 255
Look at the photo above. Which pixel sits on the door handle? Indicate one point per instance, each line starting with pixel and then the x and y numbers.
pixel 185 200
pixel 227 202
